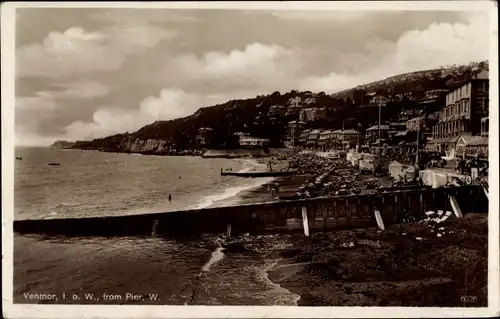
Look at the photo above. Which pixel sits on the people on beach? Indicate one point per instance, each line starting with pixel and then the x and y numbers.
pixel 170 197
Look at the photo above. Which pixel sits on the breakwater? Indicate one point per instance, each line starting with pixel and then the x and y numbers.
pixel 349 211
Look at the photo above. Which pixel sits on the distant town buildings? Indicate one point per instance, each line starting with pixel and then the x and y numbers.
pixel 424 124
pixel 379 99
pixel 325 140
pixel 464 109
pixel 454 122
pixel 312 114
pixel 276 111
pixel 204 136
pixel 294 129
pixel 485 126
pixel 372 133
pixel 396 127
pixel 434 97
pixel 464 113
pixel 312 138
pixel 247 141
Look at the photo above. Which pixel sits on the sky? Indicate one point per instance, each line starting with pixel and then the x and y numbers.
pixel 89 73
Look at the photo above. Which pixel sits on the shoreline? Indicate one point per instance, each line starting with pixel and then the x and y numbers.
pixel 393 268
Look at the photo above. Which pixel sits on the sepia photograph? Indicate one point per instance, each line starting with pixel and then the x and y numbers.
pixel 217 154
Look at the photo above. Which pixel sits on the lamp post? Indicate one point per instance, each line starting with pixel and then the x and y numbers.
pixel 418 138
pixel 357 137
pixel 379 119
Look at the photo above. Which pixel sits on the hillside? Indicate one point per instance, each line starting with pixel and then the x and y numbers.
pixel 62 144
pixel 252 115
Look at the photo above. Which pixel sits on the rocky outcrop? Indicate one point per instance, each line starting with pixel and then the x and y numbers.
pixel 62 144
pixel 135 145
pixel 129 144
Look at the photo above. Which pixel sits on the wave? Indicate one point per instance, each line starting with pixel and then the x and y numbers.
pixel 210 200
pixel 280 296
pixel 217 256
pixel 251 164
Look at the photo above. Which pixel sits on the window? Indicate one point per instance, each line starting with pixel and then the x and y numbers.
pixel 480 103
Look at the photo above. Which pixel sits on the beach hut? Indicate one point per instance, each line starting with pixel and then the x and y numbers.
pixel 396 170
pixel 462 143
pixel 477 147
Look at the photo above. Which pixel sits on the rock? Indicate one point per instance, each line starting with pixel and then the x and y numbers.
pixel 369 243
pixel 347 245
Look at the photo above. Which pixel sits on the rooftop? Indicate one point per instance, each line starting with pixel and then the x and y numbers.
pixel 376 127
pixel 482 141
pixel 350 131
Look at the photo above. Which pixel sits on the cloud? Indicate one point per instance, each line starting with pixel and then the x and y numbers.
pixel 30 139
pixel 438 45
pixel 47 100
pixel 171 103
pixel 444 44
pixel 274 67
pixel 256 67
pixel 81 90
pixel 40 101
pixel 76 51
pixel 323 15
pixel 133 17
pixel 253 61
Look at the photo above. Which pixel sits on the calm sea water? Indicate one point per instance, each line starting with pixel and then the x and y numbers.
pixel 89 183
pixel 176 272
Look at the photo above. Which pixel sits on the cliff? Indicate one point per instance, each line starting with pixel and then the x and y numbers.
pixel 62 144
pixel 129 144
pixel 267 116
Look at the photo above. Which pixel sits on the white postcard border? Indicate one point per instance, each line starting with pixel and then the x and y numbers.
pixel 11 310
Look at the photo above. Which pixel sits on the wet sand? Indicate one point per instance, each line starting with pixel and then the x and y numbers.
pixel 406 265
pixel 390 268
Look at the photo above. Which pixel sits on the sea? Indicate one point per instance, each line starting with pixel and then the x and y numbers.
pixel 102 270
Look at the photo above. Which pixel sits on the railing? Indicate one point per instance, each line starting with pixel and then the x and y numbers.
pixel 350 211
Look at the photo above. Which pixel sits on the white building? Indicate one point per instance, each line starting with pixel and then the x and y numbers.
pixel 248 141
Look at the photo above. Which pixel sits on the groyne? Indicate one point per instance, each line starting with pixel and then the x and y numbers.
pixel 351 211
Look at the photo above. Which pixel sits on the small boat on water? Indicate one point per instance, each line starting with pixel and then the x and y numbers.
pixel 54 164
pixel 19 158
